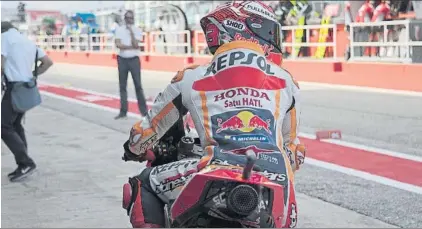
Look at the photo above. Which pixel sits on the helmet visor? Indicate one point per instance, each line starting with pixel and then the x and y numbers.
pixel 268 31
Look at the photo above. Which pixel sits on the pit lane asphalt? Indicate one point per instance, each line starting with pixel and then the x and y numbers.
pixel 386 121
pixel 380 120
pixel 80 175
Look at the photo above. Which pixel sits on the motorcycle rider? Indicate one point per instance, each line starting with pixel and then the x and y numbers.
pixel 241 100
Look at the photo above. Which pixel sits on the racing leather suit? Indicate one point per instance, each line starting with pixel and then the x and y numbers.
pixel 239 101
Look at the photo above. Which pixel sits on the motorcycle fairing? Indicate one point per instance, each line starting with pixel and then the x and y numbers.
pixel 191 198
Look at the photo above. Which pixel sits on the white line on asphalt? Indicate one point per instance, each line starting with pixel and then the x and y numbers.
pixel 364 147
pixel 329 166
pixel 365 175
pixel 87 104
pixel 304 135
pixel 84 90
pixel 93 98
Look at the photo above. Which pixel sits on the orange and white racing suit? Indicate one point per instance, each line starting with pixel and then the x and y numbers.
pixel 239 101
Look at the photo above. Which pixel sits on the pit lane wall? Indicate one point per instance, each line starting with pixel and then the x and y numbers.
pixel 406 77
pixel 316 57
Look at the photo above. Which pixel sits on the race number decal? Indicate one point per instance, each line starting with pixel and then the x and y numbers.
pixel 211 34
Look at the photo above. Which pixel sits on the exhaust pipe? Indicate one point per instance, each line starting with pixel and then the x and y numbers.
pixel 244 199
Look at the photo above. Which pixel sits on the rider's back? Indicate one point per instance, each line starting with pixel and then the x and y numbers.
pixel 239 100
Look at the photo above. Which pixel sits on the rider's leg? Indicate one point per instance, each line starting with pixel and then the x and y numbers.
pixel 144 208
pixel 284 176
pixel 291 206
pixel 154 187
pixel 289 219
pixel 167 180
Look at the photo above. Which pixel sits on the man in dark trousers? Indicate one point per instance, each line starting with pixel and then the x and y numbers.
pixel 127 40
pixel 17 60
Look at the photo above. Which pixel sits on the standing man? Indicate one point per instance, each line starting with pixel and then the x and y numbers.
pixel 127 40
pixel 17 59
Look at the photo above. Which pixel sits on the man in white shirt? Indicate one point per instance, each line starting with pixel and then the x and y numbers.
pixel 17 60
pixel 127 39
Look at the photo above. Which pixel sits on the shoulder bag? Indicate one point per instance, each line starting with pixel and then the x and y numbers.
pixel 25 95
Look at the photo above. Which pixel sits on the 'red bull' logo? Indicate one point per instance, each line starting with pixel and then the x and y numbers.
pixel 258 123
pixel 232 123
pixel 244 121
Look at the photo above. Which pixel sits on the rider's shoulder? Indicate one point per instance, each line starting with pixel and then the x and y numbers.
pixel 285 74
pixel 181 74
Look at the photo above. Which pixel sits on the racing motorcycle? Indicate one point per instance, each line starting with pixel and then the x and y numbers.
pixel 218 195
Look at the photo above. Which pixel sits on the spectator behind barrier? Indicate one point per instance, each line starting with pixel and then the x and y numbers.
pixel 382 13
pixel 363 34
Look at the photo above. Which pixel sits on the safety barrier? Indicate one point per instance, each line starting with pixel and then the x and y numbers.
pixel 102 42
pixel 305 42
pixel 200 44
pixel 101 52
pixel 301 42
pixel 387 41
pixel 85 42
pixel 151 43
pixel 317 40
pixel 178 43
